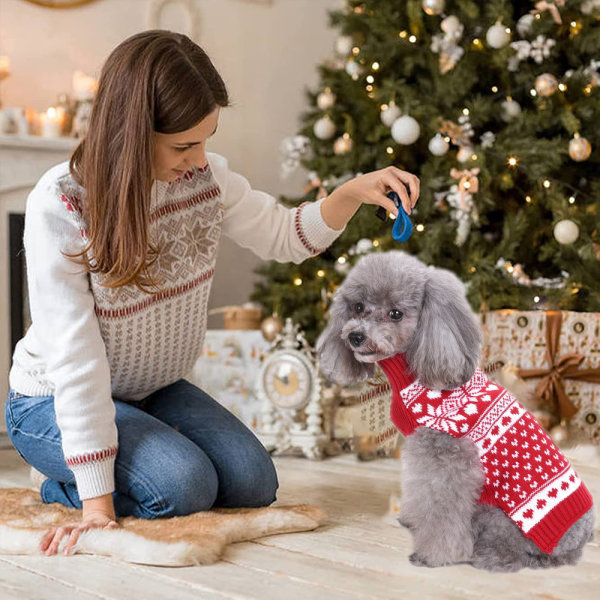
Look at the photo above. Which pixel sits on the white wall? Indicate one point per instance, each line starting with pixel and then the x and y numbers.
pixel 266 52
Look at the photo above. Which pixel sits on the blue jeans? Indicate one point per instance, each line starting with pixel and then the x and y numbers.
pixel 180 452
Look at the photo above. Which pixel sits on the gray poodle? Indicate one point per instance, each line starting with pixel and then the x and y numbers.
pixel 482 482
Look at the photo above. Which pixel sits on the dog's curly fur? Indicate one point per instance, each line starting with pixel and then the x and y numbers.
pixel 442 477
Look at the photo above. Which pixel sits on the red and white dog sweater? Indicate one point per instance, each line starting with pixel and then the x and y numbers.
pixel 526 475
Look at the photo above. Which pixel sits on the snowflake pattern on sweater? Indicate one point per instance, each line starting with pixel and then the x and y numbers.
pixel 526 475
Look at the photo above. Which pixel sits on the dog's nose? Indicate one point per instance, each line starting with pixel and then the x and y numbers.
pixel 356 338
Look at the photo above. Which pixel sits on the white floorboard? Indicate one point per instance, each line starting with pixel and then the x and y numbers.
pixel 358 554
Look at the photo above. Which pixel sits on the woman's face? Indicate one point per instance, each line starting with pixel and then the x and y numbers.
pixel 176 153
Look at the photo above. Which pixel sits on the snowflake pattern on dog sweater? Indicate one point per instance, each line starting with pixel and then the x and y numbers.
pixel 526 475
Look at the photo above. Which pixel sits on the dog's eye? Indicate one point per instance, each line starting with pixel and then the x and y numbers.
pixel 395 314
pixel 359 307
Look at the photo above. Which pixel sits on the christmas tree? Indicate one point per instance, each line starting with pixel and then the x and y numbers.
pixel 495 106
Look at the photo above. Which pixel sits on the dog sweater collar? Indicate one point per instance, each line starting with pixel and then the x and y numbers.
pixel 400 377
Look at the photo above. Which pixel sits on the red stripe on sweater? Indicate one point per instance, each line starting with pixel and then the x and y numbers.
pixel 184 204
pixel 118 313
pixel 91 457
pixel 301 234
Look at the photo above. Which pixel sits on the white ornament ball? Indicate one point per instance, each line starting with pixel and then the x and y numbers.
pixel 524 24
pixel 324 128
pixel 433 7
pixel 406 130
pixel 579 149
pixel 363 246
pixel 343 144
pixel 451 25
pixel 566 232
pixel 510 109
pixel 497 36
pixel 326 99
pixel 438 145
pixel 344 45
pixel 464 153
pixel 546 84
pixel 353 69
pixel 390 114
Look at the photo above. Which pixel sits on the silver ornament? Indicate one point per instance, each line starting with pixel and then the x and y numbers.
pixel 510 109
pixel 497 36
pixel 566 232
pixel 343 45
pixel 326 99
pixel 406 130
pixel 390 114
pixel 433 7
pixel 324 128
pixel 438 146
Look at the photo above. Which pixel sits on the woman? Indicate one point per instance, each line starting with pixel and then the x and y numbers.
pixel 120 247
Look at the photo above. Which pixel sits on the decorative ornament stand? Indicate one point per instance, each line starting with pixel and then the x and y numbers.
pixel 289 389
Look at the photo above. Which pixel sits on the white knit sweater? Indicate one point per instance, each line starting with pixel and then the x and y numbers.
pixel 88 344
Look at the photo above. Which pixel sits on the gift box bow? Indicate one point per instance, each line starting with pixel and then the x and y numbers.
pixel 551 388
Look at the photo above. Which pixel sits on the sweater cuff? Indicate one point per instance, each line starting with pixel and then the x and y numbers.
pixel 95 477
pixel 312 230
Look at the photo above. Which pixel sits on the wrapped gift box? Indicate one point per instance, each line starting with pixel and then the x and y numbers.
pixel 571 343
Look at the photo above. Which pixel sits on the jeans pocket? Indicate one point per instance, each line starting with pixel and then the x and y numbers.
pixel 19 406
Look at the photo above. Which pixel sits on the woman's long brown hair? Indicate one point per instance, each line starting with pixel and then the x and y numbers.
pixel 155 81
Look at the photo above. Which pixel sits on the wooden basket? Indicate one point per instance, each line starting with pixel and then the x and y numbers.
pixel 240 317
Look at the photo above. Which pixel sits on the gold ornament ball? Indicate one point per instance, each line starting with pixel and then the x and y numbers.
pixel 342 145
pixel 546 84
pixel 579 149
pixel 433 7
pixel 270 327
pixel 559 434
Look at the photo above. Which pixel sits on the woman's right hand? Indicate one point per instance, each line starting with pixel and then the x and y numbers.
pixel 52 538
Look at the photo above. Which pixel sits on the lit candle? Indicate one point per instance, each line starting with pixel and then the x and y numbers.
pixel 4 67
pixel 52 122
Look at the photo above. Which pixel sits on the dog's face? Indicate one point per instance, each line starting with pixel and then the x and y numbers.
pixel 379 320
pixel 392 303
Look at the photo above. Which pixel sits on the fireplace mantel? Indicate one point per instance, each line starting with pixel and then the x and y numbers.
pixel 23 159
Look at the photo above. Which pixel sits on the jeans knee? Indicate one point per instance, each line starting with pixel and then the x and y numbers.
pixel 185 490
pixel 252 485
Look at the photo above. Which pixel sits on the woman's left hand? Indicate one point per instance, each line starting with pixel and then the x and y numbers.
pixel 372 188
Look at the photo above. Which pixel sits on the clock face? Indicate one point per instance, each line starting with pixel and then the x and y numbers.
pixel 287 381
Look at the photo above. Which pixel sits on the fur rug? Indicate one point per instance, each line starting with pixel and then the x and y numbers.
pixel 195 539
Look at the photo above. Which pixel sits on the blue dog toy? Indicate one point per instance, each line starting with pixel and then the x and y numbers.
pixel 403 227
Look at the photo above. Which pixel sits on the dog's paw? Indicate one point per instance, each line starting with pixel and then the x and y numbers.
pixel 418 561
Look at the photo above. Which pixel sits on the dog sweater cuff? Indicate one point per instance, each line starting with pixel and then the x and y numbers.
pixel 397 371
pixel 95 477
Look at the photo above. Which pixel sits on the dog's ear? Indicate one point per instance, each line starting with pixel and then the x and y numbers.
pixel 444 351
pixel 337 362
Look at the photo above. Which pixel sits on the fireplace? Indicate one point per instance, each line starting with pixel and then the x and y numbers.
pixel 19 304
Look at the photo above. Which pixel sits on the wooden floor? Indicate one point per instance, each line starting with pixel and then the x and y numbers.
pixel 358 554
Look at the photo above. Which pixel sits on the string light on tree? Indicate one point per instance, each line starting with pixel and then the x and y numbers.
pixel 297 281
pixel 512 161
pixel 579 148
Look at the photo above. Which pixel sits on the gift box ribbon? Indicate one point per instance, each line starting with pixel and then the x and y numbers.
pixel 551 388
